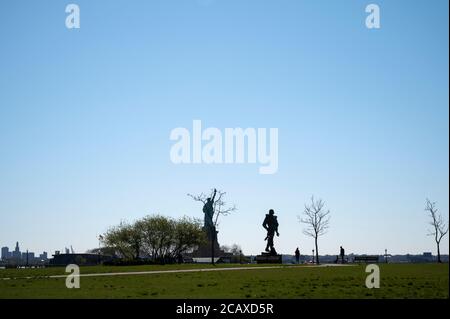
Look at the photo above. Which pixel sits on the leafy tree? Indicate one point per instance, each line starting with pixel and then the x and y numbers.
pixel 158 234
pixel 188 235
pixel 126 240
pixel 234 249
pixel 159 238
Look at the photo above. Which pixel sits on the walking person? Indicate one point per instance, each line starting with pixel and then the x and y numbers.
pixel 297 256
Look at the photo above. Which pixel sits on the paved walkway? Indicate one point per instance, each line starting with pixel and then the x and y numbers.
pixel 176 271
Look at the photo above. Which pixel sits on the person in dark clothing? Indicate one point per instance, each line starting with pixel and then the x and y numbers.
pixel 297 255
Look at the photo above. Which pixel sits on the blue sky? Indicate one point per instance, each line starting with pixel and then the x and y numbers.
pixel 85 117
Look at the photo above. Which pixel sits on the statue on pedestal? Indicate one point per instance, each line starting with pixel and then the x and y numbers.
pixel 271 225
pixel 208 225
pixel 213 208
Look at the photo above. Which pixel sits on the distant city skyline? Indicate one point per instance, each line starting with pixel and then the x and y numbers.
pixel 362 118
pixel 21 257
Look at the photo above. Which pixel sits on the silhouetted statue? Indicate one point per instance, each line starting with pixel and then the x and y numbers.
pixel 208 210
pixel 297 255
pixel 271 225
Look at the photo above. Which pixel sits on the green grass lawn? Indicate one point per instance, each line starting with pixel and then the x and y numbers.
pixel 397 281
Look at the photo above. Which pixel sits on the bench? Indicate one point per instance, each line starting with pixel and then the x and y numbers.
pixel 366 259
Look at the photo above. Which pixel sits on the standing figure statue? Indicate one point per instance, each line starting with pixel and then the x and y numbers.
pixel 271 225
pixel 208 210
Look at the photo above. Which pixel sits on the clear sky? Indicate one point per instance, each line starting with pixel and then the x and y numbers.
pixel 85 117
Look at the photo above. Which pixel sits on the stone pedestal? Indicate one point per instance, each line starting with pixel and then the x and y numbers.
pixel 206 250
pixel 267 258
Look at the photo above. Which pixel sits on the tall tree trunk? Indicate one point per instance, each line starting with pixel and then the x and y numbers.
pixel 317 252
pixel 438 253
pixel 212 250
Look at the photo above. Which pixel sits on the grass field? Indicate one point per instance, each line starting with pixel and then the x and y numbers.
pixel 397 281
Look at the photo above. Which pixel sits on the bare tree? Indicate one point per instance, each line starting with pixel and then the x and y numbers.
pixel 439 225
pixel 220 207
pixel 317 221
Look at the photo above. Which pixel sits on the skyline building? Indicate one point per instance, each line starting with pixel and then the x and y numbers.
pixel 5 253
pixel 16 254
